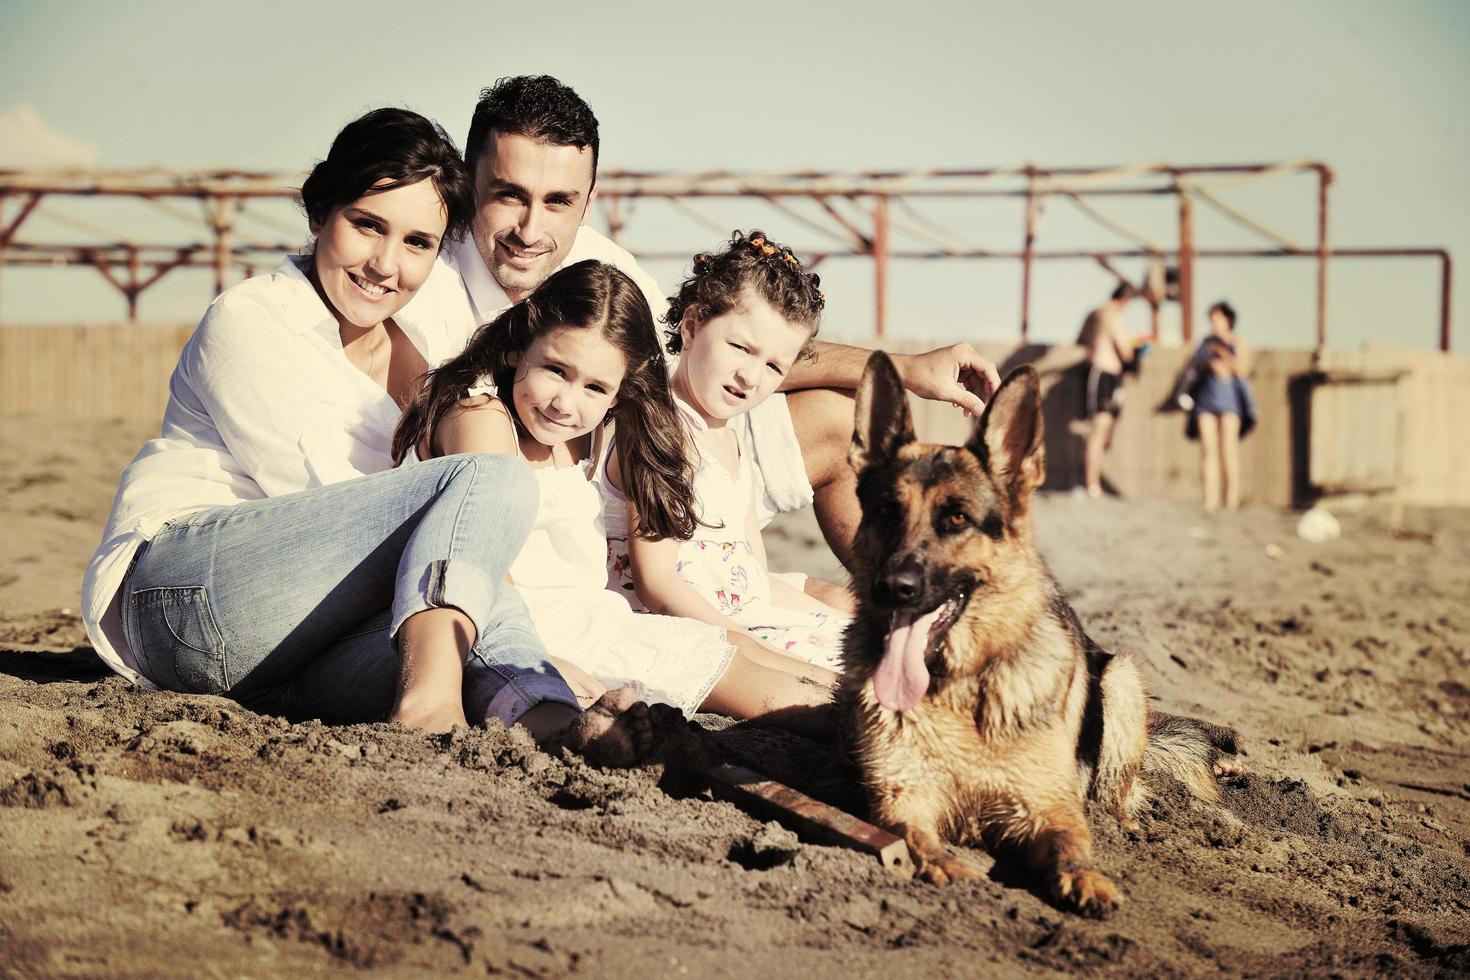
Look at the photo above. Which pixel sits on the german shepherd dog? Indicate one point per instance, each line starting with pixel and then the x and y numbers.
pixel 981 711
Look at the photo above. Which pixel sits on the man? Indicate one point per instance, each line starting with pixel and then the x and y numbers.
pixel 532 153
pixel 1109 350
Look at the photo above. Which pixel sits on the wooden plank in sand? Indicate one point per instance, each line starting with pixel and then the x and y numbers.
pixel 812 820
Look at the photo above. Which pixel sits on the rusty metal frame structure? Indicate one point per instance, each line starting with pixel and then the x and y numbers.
pixel 854 212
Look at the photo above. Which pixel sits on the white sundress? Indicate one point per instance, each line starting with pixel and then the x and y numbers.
pixel 561 573
pixel 719 561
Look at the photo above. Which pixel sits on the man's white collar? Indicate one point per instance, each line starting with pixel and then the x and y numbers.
pixel 487 296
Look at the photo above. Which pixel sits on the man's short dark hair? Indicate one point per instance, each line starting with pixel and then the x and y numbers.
pixel 535 106
pixel 1124 291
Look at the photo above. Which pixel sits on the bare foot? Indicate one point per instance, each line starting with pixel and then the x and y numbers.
pixel 615 732
pixel 431 648
pixel 429 717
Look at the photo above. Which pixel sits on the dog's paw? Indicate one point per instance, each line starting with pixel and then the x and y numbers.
pixel 1228 768
pixel 1087 891
pixel 942 869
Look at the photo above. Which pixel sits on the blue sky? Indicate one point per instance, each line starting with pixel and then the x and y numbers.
pixel 1374 89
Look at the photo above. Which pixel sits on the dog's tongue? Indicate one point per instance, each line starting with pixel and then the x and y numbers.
pixel 902 678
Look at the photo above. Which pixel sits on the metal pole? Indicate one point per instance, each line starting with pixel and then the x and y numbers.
pixel 880 265
pixel 1027 250
pixel 221 253
pixel 1324 177
pixel 132 290
pixel 1444 303
pixel 1186 267
pixel 614 207
pixel 217 209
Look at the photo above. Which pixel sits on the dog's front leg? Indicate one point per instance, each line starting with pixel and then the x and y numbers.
pixel 1060 851
pixel 917 819
pixel 932 859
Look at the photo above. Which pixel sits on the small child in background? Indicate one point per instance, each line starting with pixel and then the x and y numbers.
pixel 739 322
pixel 538 382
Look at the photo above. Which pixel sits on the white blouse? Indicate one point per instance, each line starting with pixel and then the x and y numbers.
pixel 263 402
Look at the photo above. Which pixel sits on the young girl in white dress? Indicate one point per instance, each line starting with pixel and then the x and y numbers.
pixel 740 320
pixel 539 382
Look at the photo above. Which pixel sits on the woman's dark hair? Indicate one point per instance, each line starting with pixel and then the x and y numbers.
pixel 396 147
pixel 753 262
pixel 1226 310
pixel 657 472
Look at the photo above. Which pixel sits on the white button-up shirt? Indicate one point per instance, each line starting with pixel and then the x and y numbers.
pixel 263 402
pixel 487 297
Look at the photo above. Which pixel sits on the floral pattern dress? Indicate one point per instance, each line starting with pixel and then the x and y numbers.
pixel 719 561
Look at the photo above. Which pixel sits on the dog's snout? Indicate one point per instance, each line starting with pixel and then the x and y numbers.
pixel 901 583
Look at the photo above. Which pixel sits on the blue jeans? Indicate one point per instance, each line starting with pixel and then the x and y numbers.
pixel 291 604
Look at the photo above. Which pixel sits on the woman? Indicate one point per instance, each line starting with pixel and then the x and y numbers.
pixel 264 549
pixel 1224 409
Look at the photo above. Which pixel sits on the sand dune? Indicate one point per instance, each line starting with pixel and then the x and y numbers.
pixel 156 834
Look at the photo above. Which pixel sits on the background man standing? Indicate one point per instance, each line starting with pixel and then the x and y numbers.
pixel 1109 350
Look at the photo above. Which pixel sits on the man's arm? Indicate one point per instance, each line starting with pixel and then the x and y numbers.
pixel 955 374
pixel 832 366
pixel 1119 338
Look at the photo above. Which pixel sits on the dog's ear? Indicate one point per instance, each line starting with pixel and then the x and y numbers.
pixel 882 425
pixel 1008 438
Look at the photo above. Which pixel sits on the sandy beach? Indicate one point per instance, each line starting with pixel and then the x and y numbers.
pixel 146 834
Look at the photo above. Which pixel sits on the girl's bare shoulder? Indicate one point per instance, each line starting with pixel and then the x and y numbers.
pixel 477 424
pixel 478 403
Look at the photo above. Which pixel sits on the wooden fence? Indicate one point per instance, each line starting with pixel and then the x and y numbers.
pixel 109 371
pixel 1431 392
pixel 1330 415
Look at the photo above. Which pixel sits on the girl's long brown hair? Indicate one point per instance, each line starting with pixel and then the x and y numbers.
pixel 651 443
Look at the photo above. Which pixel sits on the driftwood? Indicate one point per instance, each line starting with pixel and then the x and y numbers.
pixel 813 821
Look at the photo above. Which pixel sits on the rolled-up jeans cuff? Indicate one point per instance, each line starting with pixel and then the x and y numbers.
pixel 521 694
pixel 446 582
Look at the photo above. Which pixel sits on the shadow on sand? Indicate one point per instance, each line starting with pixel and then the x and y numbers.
pixel 78 665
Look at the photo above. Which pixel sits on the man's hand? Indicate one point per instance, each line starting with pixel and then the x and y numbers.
pixel 955 374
